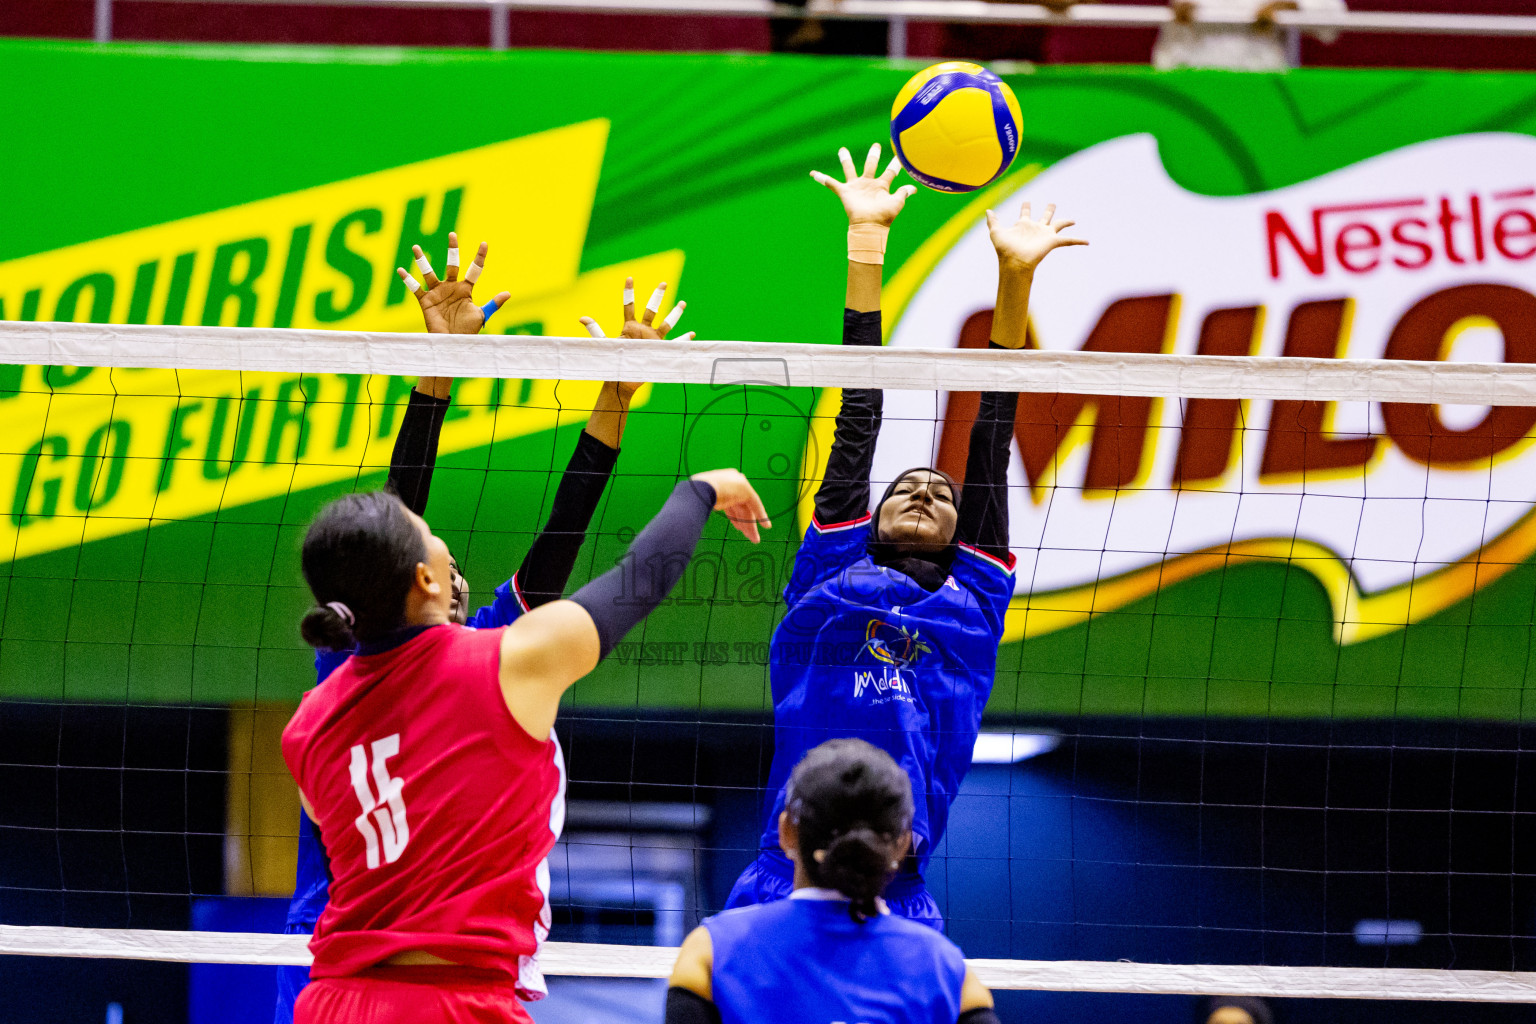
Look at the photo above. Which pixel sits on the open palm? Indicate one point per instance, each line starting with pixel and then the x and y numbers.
pixel 448 306
pixel 867 198
pixel 1025 242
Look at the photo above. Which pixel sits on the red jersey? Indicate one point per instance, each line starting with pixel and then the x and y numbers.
pixel 436 808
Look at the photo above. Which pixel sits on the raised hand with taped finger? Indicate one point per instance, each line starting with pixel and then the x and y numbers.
pixel 448 305
pixel 646 327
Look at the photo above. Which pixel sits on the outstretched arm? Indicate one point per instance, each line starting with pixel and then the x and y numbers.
pixel 548 649
pixel 448 307
pixel 984 503
pixel 547 567
pixel 871 207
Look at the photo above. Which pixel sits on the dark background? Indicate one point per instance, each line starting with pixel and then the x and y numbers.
pixel 1178 841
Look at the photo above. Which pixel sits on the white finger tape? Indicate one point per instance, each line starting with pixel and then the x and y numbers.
pixel 595 329
pixel 453 257
pixel 413 284
pixel 656 297
pixel 674 315
pixel 629 295
pixel 423 266
pixel 473 273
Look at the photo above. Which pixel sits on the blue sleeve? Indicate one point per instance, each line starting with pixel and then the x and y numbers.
pixel 826 551
pixel 327 662
pixel 990 578
pixel 504 609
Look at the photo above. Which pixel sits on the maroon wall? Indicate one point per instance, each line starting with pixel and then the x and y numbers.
pixel 387 26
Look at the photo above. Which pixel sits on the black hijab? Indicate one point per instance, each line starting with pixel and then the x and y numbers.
pixel 928 571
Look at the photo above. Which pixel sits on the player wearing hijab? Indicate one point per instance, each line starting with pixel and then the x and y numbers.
pixel 832 950
pixel 894 617
pixel 448 308
pixel 428 761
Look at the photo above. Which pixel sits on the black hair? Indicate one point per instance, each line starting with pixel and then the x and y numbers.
pixel 361 552
pixel 853 806
pixel 929 569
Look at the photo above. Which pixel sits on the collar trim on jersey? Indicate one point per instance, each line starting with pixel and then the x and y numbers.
pixel 390 641
pixel 820 895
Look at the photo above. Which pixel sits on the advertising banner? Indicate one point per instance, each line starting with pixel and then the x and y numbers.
pixel 1212 556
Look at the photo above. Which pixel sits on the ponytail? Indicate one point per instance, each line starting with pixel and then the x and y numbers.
pixel 858 864
pixel 852 805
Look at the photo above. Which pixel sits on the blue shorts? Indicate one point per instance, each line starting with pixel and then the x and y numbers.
pixel 290 980
pixel 772 877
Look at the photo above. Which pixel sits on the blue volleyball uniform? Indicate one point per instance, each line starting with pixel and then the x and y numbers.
pixel 865 650
pixel 540 579
pixel 804 960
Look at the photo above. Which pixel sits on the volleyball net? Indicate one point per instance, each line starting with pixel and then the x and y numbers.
pixel 1259 723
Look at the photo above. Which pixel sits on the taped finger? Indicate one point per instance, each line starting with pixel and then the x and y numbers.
pixel 490 308
pixel 689 336
pixel 593 327
pixel 872 161
pixel 673 316
pixel 846 158
pixel 453 258
pixel 892 169
pixel 425 266
pixel 410 282
pixel 473 273
pixel 654 305
pixel 629 299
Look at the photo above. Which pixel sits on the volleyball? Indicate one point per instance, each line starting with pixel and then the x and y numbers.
pixel 955 126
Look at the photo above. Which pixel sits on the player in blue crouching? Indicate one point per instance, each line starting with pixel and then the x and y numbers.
pixel 832 951
pixel 448 308
pixel 894 616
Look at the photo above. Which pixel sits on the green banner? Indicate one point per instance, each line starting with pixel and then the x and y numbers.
pixel 1217 557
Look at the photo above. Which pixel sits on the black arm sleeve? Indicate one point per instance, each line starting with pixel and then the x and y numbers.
pixel 415 455
pixel 685 1007
pixel 547 566
pixel 619 598
pixel 980 1015
pixel 844 492
pixel 984 501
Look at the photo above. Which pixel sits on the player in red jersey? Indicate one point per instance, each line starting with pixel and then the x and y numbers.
pixel 428 761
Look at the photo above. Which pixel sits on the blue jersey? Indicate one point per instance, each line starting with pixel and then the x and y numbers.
pixel 804 960
pixel 312 883
pixel 864 651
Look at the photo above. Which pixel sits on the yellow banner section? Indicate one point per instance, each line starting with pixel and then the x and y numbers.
pixel 89 453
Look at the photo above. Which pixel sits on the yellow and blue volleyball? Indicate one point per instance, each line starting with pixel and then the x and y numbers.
pixel 955 126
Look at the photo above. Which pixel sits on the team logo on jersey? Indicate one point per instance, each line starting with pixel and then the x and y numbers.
pixel 893 645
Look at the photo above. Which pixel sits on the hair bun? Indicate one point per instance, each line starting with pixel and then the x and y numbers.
pixel 323 627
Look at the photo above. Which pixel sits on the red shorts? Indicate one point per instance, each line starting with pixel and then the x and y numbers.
pixel 412 995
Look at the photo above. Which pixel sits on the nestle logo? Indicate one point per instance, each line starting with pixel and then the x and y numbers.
pixel 1409 234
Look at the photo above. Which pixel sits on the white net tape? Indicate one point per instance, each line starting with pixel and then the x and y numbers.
pixel 597 960
pixel 788 365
